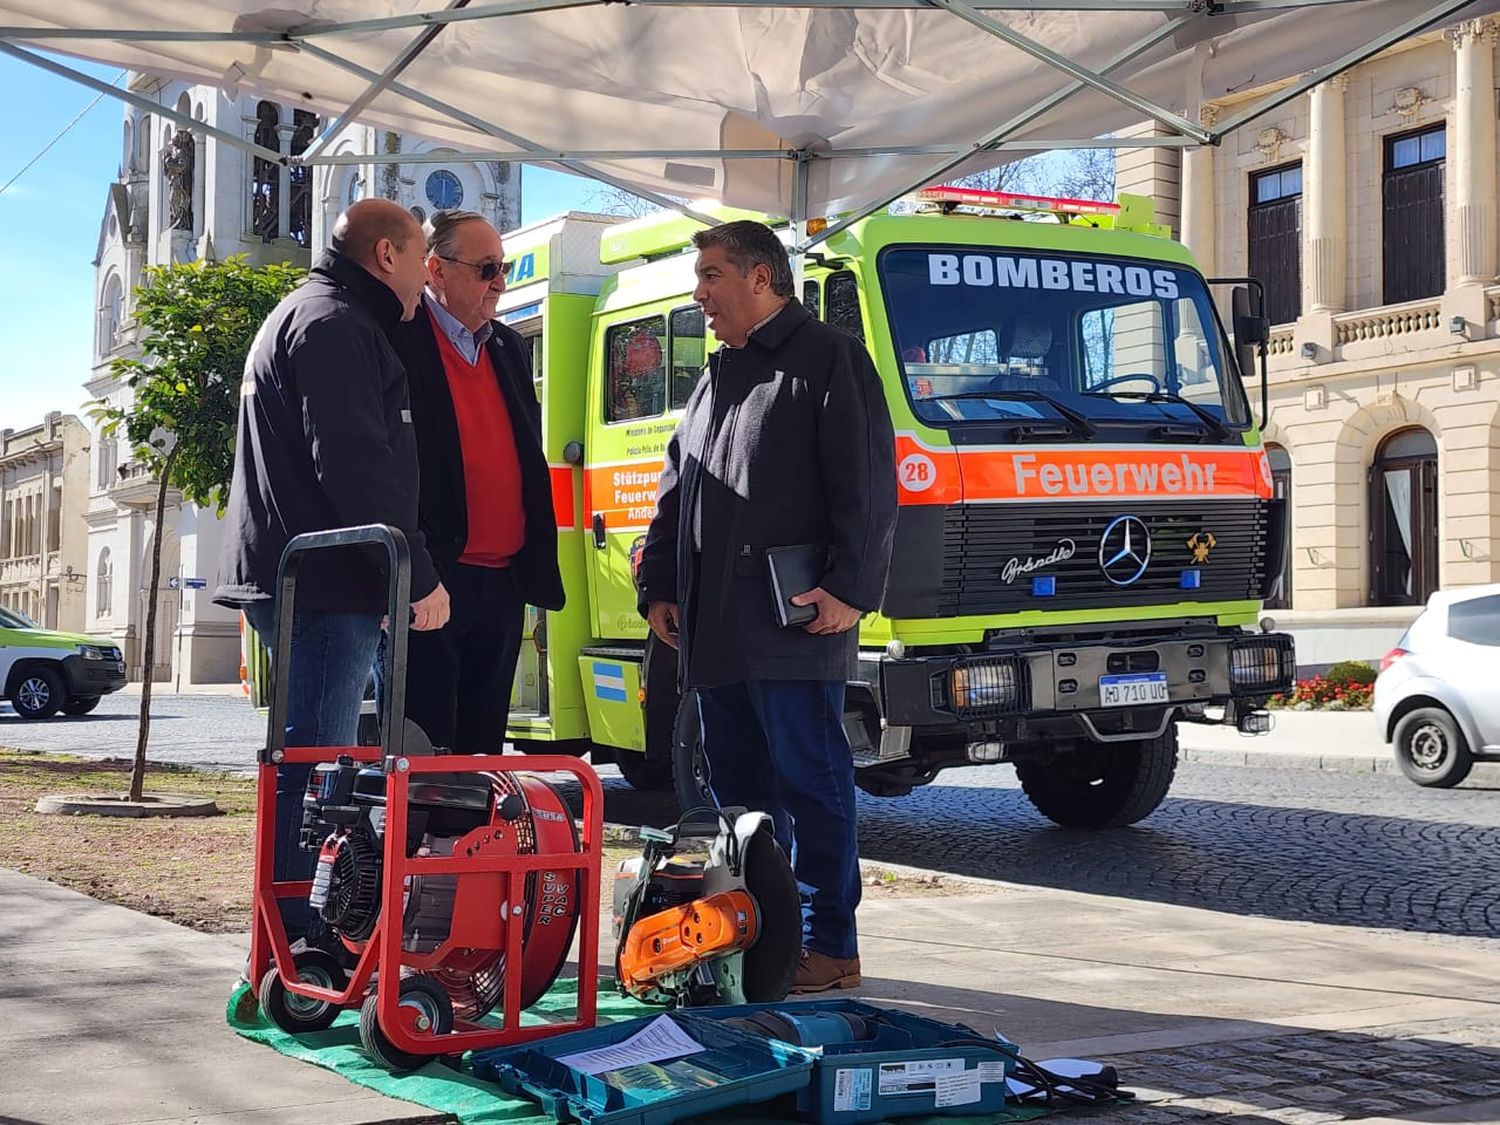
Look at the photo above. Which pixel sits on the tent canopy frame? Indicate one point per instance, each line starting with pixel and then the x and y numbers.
pixel 430 24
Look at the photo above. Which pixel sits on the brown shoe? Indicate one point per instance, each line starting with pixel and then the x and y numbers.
pixel 819 972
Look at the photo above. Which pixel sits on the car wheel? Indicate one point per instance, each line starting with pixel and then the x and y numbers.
pixel 1431 750
pixel 80 706
pixel 37 693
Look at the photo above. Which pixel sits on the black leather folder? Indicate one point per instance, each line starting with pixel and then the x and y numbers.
pixel 795 570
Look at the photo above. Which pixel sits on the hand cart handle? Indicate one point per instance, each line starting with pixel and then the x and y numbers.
pixel 398 602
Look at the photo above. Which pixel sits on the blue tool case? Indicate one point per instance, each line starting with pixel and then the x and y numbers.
pixel 847 1062
pixel 908 1066
pixel 733 1068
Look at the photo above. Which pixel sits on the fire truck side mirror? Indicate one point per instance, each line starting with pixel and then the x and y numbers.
pixel 1249 326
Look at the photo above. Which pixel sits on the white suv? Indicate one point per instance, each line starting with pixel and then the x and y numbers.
pixel 1437 697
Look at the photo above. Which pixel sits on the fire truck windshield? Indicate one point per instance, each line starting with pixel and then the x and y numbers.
pixel 1005 337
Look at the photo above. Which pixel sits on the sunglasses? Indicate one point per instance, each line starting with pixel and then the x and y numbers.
pixel 487 271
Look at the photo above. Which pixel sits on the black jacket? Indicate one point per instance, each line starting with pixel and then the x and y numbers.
pixel 789 441
pixel 325 441
pixel 443 512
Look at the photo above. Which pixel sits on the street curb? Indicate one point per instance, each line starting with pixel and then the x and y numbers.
pixel 1273 760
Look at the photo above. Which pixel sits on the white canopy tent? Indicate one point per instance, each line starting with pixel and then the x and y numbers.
pixel 791 107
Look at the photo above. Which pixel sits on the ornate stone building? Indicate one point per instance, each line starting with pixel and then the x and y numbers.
pixel 44 485
pixel 181 196
pixel 1368 209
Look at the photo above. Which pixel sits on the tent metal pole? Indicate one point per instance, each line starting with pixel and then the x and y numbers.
pixel 490 128
pixel 997 137
pixel 392 72
pixel 62 34
pixel 531 155
pixel 1092 79
pixel 436 19
pixel 183 119
pixel 1413 26
pixel 800 176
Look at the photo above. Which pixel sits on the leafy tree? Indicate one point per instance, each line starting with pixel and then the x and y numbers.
pixel 197 321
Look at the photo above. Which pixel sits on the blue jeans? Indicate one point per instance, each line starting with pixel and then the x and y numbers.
pixel 778 746
pixel 331 657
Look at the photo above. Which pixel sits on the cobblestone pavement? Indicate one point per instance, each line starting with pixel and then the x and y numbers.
pixel 1308 1079
pixel 1354 849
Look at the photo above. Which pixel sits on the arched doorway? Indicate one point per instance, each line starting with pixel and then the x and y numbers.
pixel 1404 519
pixel 1281 489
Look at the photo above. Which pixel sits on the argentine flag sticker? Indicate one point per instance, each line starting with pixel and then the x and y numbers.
pixel 609 682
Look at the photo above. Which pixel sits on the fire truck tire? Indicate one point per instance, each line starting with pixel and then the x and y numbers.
pixel 689 766
pixel 1107 786
pixel 429 999
pixel 297 1015
pixel 641 773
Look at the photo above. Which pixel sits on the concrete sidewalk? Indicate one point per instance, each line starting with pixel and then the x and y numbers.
pixel 107 1016
pixel 1342 741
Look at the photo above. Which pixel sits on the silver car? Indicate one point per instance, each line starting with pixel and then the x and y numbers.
pixel 1437 697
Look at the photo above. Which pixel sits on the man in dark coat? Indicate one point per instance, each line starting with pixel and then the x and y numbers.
pixel 788 442
pixel 486 503
pixel 325 441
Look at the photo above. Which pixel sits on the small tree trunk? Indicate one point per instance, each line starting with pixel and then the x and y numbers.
pixel 148 660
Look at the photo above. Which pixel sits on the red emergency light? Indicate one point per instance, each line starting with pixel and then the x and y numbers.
pixel 1012 201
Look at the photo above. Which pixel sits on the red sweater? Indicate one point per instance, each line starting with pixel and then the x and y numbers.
pixel 492 470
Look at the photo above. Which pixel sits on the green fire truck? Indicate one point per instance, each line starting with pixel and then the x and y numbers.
pixel 1086 529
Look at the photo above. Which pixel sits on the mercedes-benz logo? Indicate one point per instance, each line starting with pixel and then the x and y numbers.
pixel 1124 550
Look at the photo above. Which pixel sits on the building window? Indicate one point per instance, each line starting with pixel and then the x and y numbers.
pixel 1281 489
pixel 1404 519
pixel 111 313
pixel 107 448
pixel 265 183
pixel 444 191
pixel 104 579
pixel 1276 240
pixel 299 180
pixel 842 297
pixel 7 522
pixel 54 521
pixel 1413 197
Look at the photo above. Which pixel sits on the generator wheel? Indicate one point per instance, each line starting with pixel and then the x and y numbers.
pixel 1106 786
pixel 428 1000
pixel 298 1015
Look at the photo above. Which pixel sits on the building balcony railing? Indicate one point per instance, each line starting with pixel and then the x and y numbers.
pixel 1387 322
pixel 1282 341
pixel 136 486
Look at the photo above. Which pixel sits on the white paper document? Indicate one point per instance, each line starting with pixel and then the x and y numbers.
pixel 659 1040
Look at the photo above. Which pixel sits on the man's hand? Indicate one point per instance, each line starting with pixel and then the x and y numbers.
pixel 431 612
pixel 663 619
pixel 834 616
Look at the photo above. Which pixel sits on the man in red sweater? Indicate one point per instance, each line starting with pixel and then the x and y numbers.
pixel 485 503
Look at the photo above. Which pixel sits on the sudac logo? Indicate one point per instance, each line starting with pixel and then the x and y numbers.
pixel 1124 550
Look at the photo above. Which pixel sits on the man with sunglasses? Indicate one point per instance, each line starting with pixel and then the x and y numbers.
pixel 485 503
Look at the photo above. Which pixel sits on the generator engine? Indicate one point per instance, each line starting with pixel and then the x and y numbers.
pixel 453 926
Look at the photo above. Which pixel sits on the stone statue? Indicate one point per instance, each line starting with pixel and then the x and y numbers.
pixel 177 165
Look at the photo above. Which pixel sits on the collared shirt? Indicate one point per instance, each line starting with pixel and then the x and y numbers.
pixel 468 343
pixel 761 324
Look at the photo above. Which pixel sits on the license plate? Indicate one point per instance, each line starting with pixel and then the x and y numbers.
pixel 1127 691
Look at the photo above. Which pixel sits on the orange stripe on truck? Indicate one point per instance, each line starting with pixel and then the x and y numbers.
pixel 1009 473
pixel 624 494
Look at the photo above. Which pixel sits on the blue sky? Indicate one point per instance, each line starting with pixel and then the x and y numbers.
pixel 49 231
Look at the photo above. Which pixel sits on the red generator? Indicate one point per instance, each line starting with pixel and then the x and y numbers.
pixel 450 890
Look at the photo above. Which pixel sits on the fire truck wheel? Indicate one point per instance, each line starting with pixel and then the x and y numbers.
pixel 428 1001
pixel 643 774
pixel 1102 786
pixel 689 766
pixel 295 1014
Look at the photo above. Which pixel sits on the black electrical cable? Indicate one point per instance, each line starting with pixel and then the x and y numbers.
pixel 1056 1088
